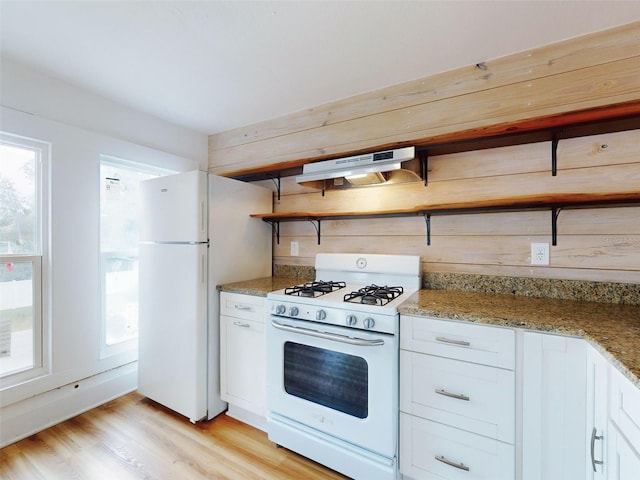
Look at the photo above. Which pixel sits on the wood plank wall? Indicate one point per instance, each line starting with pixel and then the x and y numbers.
pixel 600 244
pixel 588 72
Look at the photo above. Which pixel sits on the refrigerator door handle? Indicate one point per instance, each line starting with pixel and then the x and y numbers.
pixel 203 217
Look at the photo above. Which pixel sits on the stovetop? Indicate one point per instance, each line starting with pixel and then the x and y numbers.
pixel 331 308
pixel 372 298
pixel 351 290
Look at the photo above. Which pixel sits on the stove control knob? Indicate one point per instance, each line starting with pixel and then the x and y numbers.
pixel 321 315
pixel 293 311
pixel 369 322
pixel 351 320
pixel 280 309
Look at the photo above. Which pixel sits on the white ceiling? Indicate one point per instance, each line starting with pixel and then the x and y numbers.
pixel 216 65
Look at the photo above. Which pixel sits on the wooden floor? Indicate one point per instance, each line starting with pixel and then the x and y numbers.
pixel 135 438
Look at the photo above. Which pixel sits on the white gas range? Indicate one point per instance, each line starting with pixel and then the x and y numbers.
pixel 332 362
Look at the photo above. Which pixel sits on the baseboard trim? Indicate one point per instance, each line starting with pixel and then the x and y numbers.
pixel 32 415
pixel 247 417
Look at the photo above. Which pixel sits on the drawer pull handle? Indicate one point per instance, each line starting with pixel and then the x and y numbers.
pixel 241 324
pixel 461 466
pixel 452 341
pixel 245 308
pixel 458 396
pixel 595 437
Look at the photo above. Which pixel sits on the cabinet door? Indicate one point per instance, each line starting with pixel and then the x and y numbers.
pixel 243 363
pixel 553 407
pixel 624 460
pixel 624 406
pixel 597 421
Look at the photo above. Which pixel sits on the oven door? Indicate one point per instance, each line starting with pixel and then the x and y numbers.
pixel 340 381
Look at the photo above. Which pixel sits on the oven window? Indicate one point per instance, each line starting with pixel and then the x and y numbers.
pixel 333 379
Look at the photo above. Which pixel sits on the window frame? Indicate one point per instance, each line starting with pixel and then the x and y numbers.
pixel 39 258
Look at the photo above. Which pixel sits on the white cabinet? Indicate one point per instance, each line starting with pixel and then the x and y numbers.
pixel 243 352
pixel 597 415
pixel 624 460
pixel 553 407
pixel 624 428
pixel 576 416
pixel 457 400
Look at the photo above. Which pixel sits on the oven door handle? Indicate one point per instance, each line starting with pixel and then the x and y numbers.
pixel 328 336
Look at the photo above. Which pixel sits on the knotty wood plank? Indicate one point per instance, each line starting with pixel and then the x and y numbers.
pixel 588 88
pixel 597 252
pixel 581 152
pixel 570 55
pixel 598 150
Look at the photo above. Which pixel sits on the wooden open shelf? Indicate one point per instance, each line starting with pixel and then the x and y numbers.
pixel 552 202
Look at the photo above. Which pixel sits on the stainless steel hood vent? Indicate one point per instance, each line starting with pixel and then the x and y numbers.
pixel 390 166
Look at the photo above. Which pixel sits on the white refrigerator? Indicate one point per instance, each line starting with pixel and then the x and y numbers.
pixel 196 233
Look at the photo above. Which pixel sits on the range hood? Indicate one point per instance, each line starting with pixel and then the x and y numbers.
pixel 389 166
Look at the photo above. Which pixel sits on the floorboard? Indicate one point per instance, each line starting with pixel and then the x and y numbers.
pixel 134 438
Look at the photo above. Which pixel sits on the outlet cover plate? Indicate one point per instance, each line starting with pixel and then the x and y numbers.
pixel 294 249
pixel 539 254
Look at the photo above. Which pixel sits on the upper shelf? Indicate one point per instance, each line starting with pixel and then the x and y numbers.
pixel 525 202
pixel 552 202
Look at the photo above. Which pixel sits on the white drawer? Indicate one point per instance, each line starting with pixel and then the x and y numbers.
pixel 487 345
pixel 465 395
pixel 237 305
pixel 624 406
pixel 423 442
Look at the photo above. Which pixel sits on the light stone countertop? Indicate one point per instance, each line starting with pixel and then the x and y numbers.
pixel 613 329
pixel 259 287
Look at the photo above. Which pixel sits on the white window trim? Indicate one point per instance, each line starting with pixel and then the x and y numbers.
pixel 41 265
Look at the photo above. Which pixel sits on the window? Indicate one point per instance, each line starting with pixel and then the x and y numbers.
pixel 22 229
pixel 119 217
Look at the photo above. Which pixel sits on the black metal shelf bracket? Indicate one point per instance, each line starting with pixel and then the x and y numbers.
pixel 427 219
pixel 316 224
pixel 554 225
pixel 275 227
pixel 554 154
pixel 276 181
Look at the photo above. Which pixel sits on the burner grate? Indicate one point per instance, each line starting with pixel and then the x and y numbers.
pixel 314 289
pixel 374 295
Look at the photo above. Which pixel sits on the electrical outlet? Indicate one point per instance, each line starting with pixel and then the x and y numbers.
pixel 294 249
pixel 539 254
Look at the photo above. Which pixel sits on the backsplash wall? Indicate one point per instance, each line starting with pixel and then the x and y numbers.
pixel 593 245
pixel 602 292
